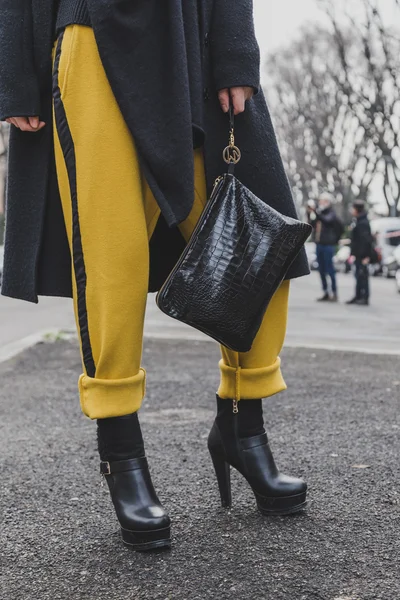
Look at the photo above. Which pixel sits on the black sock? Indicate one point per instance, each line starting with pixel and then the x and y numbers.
pixel 120 438
pixel 249 418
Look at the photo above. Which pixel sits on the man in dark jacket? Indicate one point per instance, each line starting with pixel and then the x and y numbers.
pixel 327 232
pixel 362 251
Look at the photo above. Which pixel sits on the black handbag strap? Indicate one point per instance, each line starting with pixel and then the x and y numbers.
pixel 231 117
pixel 231 166
pixel 231 153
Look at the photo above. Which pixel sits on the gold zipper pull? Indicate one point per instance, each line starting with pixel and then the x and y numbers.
pixel 216 182
pixel 235 407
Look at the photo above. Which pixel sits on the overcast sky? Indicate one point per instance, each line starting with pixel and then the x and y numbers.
pixel 278 22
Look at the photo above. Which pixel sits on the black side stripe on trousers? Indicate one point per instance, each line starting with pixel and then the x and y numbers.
pixel 67 145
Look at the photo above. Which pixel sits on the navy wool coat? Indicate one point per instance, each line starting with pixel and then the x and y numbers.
pixel 142 54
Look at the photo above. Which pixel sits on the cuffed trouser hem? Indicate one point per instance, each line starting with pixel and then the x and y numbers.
pixel 104 398
pixel 247 384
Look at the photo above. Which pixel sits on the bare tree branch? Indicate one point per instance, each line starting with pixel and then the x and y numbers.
pixel 337 98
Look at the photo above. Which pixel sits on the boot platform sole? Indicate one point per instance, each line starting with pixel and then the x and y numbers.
pixel 287 505
pixel 144 541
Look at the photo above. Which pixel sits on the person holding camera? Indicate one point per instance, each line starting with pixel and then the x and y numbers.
pixel 328 230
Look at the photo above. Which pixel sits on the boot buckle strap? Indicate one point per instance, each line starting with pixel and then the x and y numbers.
pixel 119 466
pixel 105 468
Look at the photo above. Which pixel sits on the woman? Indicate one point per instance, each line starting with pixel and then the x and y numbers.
pixel 114 189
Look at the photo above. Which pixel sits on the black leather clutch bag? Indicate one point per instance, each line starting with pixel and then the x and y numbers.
pixel 235 260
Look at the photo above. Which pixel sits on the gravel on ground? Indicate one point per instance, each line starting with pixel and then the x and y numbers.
pixel 337 425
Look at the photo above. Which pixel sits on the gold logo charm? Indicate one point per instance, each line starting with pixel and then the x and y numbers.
pixel 232 154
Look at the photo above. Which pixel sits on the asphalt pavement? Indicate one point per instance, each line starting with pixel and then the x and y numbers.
pixel 338 426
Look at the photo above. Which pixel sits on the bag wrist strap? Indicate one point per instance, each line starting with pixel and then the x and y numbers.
pixel 231 153
pixel 231 117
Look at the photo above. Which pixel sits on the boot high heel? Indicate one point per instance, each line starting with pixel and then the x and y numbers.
pixel 275 493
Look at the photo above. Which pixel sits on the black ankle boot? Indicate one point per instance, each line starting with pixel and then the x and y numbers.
pixel 144 523
pixel 230 445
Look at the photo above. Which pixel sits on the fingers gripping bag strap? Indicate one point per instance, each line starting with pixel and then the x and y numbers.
pixel 231 153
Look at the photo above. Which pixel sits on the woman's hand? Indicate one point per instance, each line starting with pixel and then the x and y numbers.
pixel 239 96
pixel 31 124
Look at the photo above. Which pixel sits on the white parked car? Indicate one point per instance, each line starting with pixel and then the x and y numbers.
pixel 398 280
pixel 311 251
pixel 341 258
pixel 396 254
pixel 387 238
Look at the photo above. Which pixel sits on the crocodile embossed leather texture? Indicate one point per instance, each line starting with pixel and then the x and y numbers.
pixel 237 257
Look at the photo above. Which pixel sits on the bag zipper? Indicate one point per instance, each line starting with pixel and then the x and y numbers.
pixel 216 182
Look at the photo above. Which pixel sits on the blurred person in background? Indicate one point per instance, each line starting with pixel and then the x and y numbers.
pixel 362 252
pixel 115 147
pixel 328 229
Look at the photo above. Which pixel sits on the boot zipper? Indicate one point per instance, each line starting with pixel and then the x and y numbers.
pixel 235 407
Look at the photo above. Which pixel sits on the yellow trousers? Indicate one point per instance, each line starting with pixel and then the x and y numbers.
pixel 110 214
